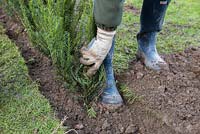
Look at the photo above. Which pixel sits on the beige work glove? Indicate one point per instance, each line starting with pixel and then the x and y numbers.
pixel 97 50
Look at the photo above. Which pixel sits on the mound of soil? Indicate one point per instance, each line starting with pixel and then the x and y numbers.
pixel 173 95
pixel 169 104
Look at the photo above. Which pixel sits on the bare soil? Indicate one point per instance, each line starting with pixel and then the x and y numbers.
pixel 169 104
pixel 132 9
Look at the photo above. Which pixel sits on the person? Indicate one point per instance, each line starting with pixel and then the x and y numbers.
pixel 108 16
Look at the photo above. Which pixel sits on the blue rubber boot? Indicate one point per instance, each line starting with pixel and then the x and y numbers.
pixel 110 96
pixel 147 52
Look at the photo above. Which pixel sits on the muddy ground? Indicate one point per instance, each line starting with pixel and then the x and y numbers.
pixel 169 104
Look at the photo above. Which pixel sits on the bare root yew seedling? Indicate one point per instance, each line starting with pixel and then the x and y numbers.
pixel 59 29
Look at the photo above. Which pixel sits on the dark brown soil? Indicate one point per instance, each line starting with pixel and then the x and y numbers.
pixel 173 95
pixel 170 102
pixel 132 9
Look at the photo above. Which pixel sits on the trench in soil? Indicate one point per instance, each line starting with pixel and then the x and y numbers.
pixel 170 101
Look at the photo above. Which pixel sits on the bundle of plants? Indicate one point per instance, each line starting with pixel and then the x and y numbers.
pixel 59 28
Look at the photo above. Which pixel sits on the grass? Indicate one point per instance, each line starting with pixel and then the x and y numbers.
pixel 181 30
pixel 23 109
pixel 129 96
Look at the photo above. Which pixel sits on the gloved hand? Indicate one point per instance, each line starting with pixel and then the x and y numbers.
pixel 97 50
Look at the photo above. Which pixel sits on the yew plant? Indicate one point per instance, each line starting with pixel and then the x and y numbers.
pixel 59 28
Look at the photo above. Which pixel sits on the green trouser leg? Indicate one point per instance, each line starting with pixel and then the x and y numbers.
pixel 108 13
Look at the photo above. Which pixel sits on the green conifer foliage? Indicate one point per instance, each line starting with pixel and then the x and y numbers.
pixel 59 28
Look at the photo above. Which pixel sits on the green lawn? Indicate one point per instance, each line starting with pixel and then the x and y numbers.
pixel 23 110
pixel 181 30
